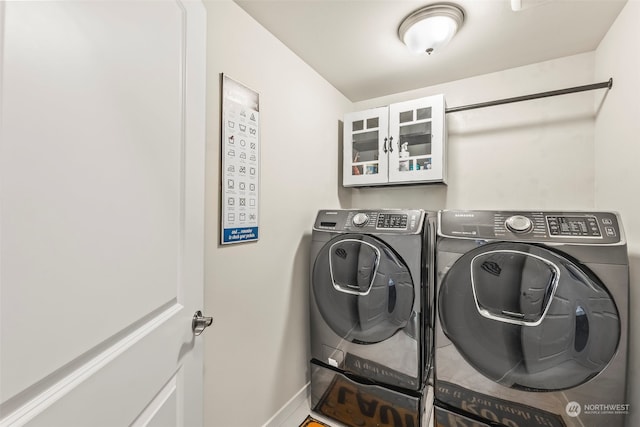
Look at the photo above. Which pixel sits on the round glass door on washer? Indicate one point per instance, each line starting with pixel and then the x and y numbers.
pixel 362 289
pixel 371 314
pixel 532 319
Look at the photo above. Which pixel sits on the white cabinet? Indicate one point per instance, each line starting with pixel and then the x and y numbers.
pixel 403 143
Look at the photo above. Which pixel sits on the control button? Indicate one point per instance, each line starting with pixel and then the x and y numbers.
pixel 519 224
pixel 611 232
pixel 607 221
pixel 360 219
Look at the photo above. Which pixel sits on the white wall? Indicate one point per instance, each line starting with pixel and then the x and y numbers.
pixel 529 155
pixel 256 353
pixel 617 157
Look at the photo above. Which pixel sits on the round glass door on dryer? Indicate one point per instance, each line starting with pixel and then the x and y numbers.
pixel 362 288
pixel 528 317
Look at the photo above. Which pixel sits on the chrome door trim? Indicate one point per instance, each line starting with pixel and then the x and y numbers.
pixel 375 270
pixel 485 313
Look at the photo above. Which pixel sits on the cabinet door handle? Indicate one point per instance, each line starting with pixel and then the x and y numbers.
pixel 391 144
pixel 384 145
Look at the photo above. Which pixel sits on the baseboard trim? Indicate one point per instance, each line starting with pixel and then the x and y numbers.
pixel 289 408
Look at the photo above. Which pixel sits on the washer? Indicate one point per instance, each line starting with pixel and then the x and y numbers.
pixel 372 313
pixel 532 319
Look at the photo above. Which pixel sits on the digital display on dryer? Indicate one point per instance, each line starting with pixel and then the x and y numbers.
pixel 392 221
pixel 575 226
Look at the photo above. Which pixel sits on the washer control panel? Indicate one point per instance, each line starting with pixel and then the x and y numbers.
pixel 392 221
pixel 379 221
pixel 578 227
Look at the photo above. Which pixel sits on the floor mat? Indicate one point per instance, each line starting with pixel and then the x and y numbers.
pixel 354 404
pixel 312 422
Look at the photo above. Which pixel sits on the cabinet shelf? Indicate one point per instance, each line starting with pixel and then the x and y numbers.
pixel 360 132
pixel 371 162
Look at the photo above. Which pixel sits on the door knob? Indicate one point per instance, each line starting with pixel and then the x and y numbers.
pixel 200 323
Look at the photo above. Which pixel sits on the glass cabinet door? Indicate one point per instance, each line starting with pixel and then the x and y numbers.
pixel 416 130
pixel 365 147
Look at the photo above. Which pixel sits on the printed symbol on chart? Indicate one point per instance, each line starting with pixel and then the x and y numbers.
pixel 231 124
pixel 231 153
pixel 252 171
pixel 243 113
pixel 252 217
pixel 243 128
pixel 231 184
pixel 243 201
pixel 231 140
pixel 243 169
pixel 231 168
pixel 252 187
pixel 253 117
pixel 231 217
pixel 252 202
pixel 231 201
pixel 243 217
pixel 242 143
pixel 241 185
pixel 252 145
pixel 243 155
pixel 252 157
pixel 252 131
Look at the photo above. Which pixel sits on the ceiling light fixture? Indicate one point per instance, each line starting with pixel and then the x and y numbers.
pixel 431 27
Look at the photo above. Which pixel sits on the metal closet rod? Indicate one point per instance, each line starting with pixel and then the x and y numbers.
pixel 607 84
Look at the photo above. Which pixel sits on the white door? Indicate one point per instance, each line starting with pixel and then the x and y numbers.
pixel 102 200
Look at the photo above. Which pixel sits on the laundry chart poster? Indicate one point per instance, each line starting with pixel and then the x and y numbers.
pixel 240 172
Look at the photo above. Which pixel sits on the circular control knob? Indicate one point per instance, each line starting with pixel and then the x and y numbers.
pixel 519 224
pixel 360 219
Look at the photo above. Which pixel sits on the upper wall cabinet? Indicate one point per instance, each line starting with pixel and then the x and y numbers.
pixel 403 143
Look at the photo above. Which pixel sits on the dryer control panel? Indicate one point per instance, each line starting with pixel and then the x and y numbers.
pixel 392 221
pixel 575 227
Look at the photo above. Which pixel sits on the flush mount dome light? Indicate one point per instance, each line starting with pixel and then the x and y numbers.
pixel 431 27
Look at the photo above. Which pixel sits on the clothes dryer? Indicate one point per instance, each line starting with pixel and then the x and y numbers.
pixel 532 319
pixel 371 307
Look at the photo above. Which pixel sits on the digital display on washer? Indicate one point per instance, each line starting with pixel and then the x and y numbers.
pixel 577 226
pixel 392 221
